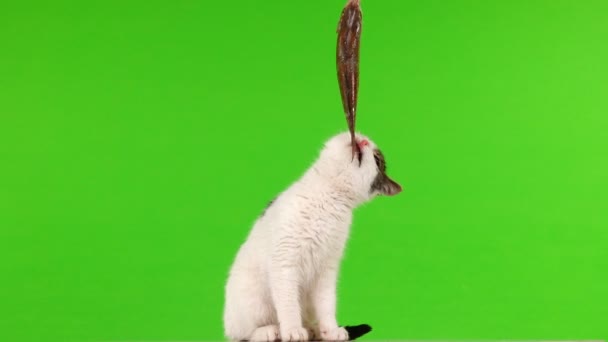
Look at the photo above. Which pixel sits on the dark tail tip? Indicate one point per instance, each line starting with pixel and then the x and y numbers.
pixel 356 331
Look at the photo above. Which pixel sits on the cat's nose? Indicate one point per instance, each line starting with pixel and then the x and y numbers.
pixel 363 143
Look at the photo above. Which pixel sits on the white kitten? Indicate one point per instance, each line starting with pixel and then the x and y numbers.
pixel 282 284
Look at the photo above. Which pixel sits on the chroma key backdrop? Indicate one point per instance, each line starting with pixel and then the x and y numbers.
pixel 139 141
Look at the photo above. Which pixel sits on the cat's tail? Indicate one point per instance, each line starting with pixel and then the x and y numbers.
pixel 356 331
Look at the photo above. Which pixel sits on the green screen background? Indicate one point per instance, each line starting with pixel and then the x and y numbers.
pixel 139 140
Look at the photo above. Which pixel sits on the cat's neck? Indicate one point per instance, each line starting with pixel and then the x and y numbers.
pixel 336 188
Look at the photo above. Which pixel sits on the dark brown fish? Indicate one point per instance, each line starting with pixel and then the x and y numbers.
pixel 347 60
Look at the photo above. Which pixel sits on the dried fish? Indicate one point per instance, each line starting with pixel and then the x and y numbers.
pixel 347 60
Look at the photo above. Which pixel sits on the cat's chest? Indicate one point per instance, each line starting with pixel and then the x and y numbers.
pixel 325 224
pixel 324 240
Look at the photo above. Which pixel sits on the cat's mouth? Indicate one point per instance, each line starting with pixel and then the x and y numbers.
pixel 359 149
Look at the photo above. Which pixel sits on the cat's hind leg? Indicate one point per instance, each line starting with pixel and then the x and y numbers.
pixel 248 306
pixel 266 333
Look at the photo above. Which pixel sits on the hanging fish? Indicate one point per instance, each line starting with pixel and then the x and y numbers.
pixel 347 60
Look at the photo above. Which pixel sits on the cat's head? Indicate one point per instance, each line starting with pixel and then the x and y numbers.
pixel 365 173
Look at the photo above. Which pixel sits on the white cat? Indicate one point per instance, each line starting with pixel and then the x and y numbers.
pixel 282 285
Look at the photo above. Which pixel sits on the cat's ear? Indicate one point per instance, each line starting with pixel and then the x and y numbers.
pixel 390 187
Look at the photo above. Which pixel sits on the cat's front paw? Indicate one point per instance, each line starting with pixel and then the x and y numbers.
pixel 313 333
pixel 269 333
pixel 334 334
pixel 294 334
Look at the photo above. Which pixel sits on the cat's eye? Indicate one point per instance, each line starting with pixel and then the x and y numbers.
pixel 377 160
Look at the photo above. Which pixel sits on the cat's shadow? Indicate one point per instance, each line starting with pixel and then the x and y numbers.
pixel 354 332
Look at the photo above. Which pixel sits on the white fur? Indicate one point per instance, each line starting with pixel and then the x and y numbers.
pixel 282 284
